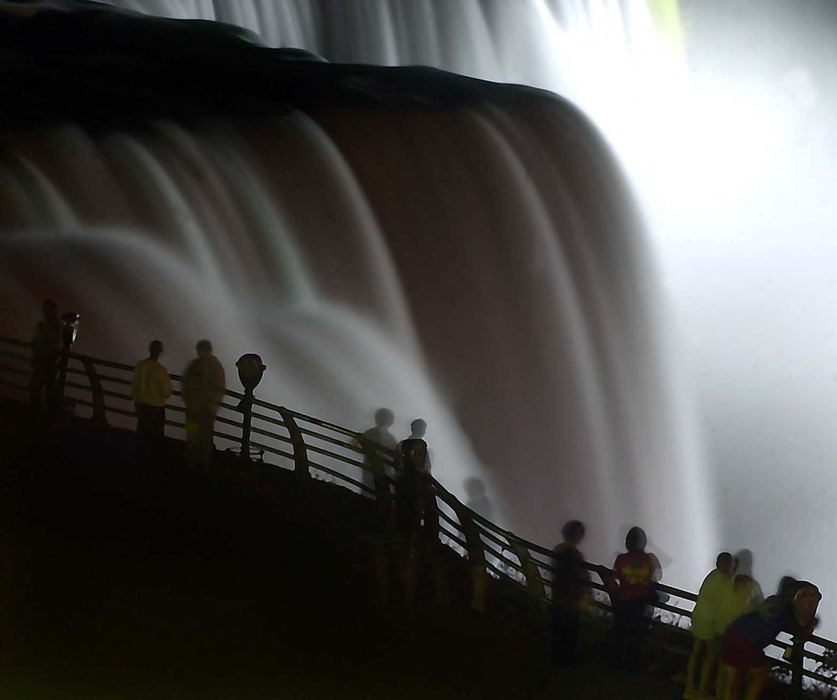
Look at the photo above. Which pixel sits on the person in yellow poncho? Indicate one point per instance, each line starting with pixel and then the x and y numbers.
pixel 150 387
pixel 704 621
pixel 203 390
pixel 741 595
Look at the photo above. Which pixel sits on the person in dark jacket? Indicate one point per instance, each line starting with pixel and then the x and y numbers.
pixel 569 589
pixel 46 347
pixel 793 609
pixel 414 509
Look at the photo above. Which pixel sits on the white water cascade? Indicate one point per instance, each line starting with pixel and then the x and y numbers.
pixel 479 264
pixel 723 115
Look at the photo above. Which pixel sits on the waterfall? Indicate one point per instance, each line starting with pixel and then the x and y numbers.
pixel 451 249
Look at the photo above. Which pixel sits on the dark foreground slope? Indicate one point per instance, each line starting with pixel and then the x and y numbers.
pixel 117 586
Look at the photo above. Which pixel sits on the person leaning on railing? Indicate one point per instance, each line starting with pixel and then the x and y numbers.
pixel 793 609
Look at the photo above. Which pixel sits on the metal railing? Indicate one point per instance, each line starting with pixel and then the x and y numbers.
pixel 99 390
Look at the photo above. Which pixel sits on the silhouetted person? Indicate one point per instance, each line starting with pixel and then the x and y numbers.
pixel 416 513
pixel 418 428
pixel 478 502
pixel 792 610
pixel 379 435
pixel 46 347
pixel 477 498
pixel 636 572
pixel 385 541
pixel 705 626
pixel 203 390
pixel 150 387
pixel 569 588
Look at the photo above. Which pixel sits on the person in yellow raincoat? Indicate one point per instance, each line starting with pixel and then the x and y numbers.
pixel 150 387
pixel 203 390
pixel 704 623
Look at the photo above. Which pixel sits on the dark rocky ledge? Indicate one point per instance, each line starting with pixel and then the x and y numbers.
pixel 106 68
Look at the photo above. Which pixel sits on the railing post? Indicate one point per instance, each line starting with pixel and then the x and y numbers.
pixel 301 466
pixel 431 543
pixel 476 554
pixel 530 570
pixel 69 331
pixel 383 495
pixel 247 417
pixel 797 657
pixel 96 393
pixel 430 527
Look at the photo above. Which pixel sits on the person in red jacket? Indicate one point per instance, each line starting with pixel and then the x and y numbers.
pixel 635 574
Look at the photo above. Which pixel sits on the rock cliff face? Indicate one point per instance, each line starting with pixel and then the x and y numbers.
pixel 449 248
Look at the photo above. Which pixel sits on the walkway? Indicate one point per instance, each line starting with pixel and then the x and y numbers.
pixel 118 586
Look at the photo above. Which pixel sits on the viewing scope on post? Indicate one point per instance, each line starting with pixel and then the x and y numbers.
pixel 69 329
pixel 250 371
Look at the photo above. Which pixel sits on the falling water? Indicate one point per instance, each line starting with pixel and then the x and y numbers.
pixel 474 260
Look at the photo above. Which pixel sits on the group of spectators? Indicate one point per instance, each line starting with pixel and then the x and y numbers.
pixel 202 390
pixel 413 536
pixel 732 623
pixel 630 584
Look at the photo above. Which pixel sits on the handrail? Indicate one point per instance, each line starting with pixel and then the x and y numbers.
pixel 488 546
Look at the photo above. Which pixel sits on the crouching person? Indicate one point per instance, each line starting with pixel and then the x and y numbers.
pixel 792 610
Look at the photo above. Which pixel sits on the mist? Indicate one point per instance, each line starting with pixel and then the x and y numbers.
pixel 722 114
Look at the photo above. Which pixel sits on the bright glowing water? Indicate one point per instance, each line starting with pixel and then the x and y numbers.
pixel 479 266
pixel 730 145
